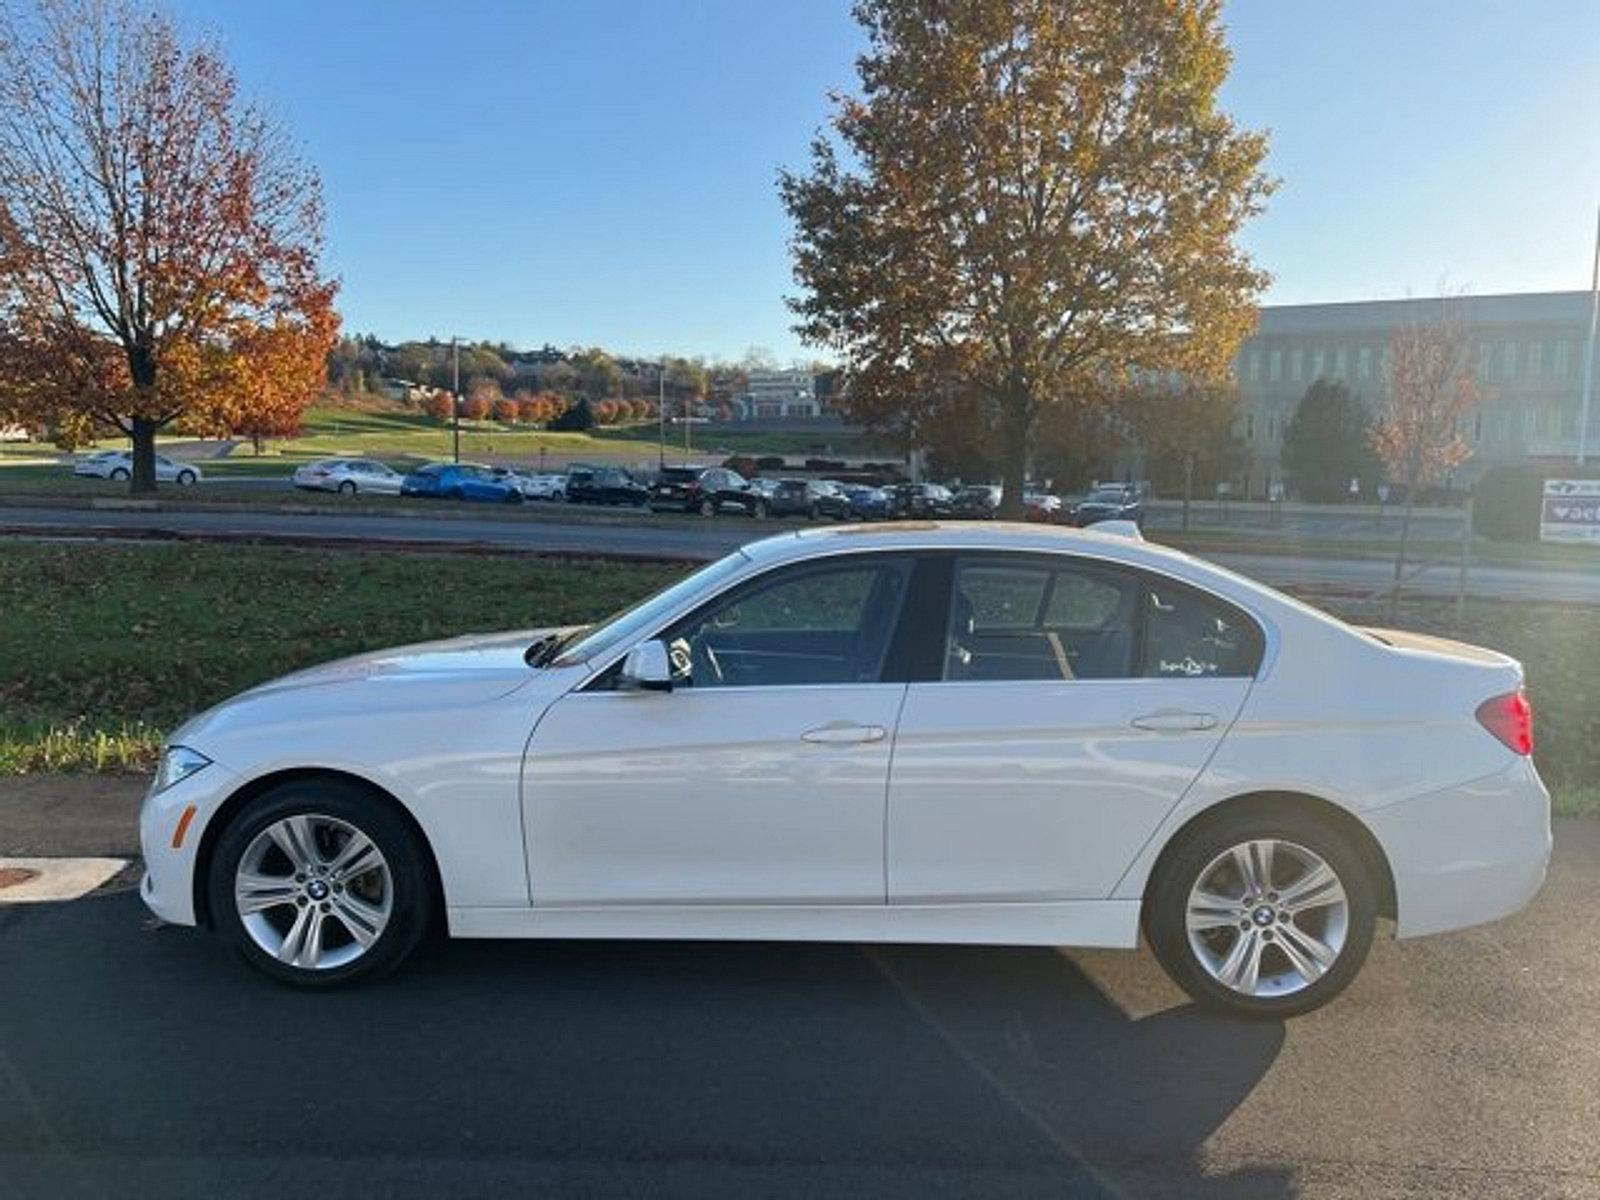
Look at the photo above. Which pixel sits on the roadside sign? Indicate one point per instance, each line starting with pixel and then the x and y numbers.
pixel 1571 511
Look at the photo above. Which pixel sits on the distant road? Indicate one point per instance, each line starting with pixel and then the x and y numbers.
pixel 676 539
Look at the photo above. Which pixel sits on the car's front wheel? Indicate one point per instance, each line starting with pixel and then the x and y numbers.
pixel 320 883
pixel 119 475
pixel 347 488
pixel 1266 916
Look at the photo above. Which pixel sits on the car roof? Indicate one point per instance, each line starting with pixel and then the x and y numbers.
pixel 1006 536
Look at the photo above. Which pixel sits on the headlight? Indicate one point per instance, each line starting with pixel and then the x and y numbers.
pixel 177 764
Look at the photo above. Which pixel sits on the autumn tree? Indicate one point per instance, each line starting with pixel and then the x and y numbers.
pixel 1025 195
pixel 441 406
pixel 506 410
pixel 1328 442
pixel 1184 429
pixel 1431 388
pixel 476 406
pixel 159 242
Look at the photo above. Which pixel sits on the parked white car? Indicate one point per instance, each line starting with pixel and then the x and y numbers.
pixel 941 733
pixel 544 487
pixel 349 476
pixel 533 486
pixel 118 465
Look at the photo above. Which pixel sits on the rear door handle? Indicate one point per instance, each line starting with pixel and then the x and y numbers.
pixel 1171 720
pixel 843 733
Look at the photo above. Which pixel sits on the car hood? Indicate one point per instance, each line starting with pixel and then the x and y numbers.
pixel 429 676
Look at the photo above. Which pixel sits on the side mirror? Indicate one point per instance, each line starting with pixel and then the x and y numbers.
pixel 647 668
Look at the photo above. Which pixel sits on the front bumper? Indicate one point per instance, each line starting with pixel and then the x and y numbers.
pixel 168 885
pixel 1467 855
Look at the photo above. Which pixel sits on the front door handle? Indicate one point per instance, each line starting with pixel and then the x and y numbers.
pixel 843 733
pixel 1172 720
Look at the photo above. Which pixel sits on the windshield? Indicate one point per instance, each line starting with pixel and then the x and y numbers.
pixel 632 621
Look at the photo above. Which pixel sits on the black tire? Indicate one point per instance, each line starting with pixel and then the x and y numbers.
pixel 760 511
pixel 186 479
pixel 708 508
pixel 455 494
pixel 409 870
pixel 813 512
pixel 347 488
pixel 514 497
pixel 119 476
pixel 1180 868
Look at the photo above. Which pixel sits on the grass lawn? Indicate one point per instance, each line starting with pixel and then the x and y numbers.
pixel 106 647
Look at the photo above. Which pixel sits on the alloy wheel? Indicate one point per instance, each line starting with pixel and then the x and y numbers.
pixel 313 891
pixel 1267 918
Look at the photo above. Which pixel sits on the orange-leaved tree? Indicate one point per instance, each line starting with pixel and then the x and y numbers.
pixel 160 244
pixel 1024 196
pixel 1431 388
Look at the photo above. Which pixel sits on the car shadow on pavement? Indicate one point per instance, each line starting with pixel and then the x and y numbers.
pixel 157 1062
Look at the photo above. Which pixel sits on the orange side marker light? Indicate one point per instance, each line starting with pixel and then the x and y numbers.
pixel 183 828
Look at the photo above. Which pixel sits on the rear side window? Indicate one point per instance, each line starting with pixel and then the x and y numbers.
pixel 1188 634
pixel 1031 617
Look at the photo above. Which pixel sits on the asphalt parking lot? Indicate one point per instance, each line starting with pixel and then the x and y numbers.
pixel 146 1062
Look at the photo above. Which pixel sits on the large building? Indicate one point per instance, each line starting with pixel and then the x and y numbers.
pixel 1528 351
pixel 780 394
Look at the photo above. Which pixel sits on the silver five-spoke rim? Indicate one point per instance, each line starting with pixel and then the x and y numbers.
pixel 313 891
pixel 1267 918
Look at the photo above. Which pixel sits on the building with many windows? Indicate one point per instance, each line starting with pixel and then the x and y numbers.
pixel 1528 350
pixel 780 394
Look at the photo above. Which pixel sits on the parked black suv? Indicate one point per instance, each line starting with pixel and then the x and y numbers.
pixel 604 485
pixel 705 490
pixel 920 500
pixel 1110 502
pixel 978 501
pixel 810 498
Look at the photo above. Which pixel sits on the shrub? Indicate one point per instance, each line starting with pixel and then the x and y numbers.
pixel 770 462
pixel 475 408
pixel 531 410
pixel 442 406
pixel 505 410
pixel 742 463
pixel 576 418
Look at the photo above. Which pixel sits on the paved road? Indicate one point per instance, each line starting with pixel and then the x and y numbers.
pixel 136 1062
pixel 547 533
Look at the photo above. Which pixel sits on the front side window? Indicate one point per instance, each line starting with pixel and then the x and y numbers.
pixel 801 625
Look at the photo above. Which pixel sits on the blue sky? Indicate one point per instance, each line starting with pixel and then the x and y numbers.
pixel 601 171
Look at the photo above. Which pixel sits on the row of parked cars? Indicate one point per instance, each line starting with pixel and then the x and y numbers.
pixel 710 491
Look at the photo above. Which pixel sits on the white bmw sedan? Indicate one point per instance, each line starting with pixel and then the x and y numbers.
pixel 917 733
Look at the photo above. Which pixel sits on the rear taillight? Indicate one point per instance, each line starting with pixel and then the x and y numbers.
pixel 1509 718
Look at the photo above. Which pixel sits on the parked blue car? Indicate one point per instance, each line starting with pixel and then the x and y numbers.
pixel 867 503
pixel 459 481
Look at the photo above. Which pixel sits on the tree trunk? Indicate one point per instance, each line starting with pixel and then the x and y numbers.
pixel 1400 553
pixel 1014 460
pixel 142 370
pixel 143 432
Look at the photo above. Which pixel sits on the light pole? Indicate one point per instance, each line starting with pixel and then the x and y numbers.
pixel 455 397
pixel 661 413
pixel 1588 358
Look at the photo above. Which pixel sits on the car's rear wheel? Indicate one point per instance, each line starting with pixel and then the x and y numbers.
pixel 708 508
pixel 186 478
pixel 347 488
pixel 320 883
pixel 761 510
pixel 1262 915
pixel 120 475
